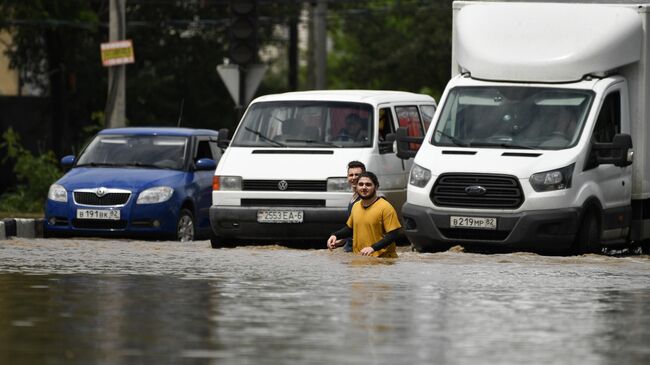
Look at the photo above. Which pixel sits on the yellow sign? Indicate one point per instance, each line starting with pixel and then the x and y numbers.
pixel 117 53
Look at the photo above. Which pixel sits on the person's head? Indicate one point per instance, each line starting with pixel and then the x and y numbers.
pixel 367 185
pixel 353 124
pixel 355 168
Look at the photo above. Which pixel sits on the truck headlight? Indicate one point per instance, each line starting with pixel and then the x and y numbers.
pixel 158 194
pixel 552 180
pixel 226 183
pixel 338 184
pixel 419 176
pixel 57 193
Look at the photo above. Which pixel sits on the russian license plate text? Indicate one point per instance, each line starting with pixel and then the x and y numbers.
pixel 279 216
pixel 472 222
pixel 106 214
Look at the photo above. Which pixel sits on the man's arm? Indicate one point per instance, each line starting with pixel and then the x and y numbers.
pixel 389 238
pixel 341 233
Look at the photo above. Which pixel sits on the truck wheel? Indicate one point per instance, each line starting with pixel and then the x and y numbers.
pixel 185 226
pixel 588 239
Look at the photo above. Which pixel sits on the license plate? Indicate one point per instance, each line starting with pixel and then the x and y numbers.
pixel 473 222
pixel 279 216
pixel 104 214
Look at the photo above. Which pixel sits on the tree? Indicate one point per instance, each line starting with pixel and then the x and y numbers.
pixel 391 44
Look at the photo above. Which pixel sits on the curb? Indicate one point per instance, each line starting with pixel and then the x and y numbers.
pixel 21 227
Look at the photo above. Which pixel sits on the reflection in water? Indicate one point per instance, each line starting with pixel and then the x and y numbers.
pixel 124 302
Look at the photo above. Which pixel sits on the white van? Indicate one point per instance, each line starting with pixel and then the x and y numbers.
pixel 283 176
pixel 532 144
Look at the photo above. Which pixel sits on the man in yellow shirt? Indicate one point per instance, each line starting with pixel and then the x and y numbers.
pixel 373 222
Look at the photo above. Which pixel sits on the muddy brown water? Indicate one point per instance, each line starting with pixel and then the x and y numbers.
pixel 96 301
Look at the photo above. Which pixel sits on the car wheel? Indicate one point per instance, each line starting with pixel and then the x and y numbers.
pixel 588 239
pixel 185 226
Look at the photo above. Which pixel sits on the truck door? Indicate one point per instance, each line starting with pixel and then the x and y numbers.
pixel 616 182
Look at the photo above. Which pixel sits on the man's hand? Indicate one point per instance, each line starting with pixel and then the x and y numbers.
pixel 331 242
pixel 367 251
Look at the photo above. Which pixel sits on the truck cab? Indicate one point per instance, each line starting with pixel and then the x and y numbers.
pixel 283 176
pixel 532 145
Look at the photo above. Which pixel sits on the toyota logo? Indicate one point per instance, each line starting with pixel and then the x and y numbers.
pixel 475 190
pixel 100 192
pixel 283 185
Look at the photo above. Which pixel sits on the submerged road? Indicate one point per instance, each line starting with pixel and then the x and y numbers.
pixel 137 302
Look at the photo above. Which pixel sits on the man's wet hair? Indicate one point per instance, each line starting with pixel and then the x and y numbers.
pixel 370 176
pixel 356 164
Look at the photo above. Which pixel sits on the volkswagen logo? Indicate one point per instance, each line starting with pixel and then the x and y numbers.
pixel 100 192
pixel 283 185
pixel 475 190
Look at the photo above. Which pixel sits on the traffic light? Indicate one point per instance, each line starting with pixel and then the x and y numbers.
pixel 243 32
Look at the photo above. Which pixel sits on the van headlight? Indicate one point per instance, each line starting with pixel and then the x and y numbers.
pixel 232 183
pixel 57 193
pixel 552 180
pixel 338 184
pixel 158 194
pixel 419 176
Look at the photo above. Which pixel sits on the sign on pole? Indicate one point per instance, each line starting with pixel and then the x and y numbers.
pixel 117 53
pixel 230 75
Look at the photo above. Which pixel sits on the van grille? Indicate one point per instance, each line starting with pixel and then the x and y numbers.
pixel 501 191
pixel 291 185
pixel 283 203
pixel 89 198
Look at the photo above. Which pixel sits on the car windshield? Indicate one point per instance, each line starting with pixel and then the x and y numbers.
pixel 165 152
pixel 306 124
pixel 512 117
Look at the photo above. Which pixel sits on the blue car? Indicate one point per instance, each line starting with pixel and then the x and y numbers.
pixel 141 182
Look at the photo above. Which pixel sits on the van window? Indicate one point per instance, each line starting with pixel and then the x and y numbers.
pixel 386 123
pixel 306 124
pixel 608 123
pixel 512 117
pixel 409 117
pixel 427 115
pixel 207 149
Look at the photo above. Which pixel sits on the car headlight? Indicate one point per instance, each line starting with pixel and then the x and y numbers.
pixel 552 180
pixel 57 193
pixel 419 176
pixel 158 194
pixel 226 183
pixel 338 184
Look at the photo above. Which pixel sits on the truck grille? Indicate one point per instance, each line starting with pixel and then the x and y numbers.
pixel 460 190
pixel 285 185
pixel 90 198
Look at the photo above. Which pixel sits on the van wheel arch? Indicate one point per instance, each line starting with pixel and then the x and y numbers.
pixel 588 237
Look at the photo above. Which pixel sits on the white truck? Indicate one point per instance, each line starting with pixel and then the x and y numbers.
pixel 532 145
pixel 283 175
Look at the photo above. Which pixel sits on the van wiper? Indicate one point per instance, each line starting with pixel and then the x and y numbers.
pixel 501 144
pixel 311 141
pixel 454 140
pixel 265 138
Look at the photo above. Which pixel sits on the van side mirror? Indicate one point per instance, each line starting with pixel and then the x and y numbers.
pixel 387 146
pixel 618 152
pixel 222 138
pixel 404 143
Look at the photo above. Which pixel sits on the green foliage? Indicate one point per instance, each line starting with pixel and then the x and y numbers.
pixel 35 174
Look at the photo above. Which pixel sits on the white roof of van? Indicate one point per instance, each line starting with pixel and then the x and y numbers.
pixel 551 42
pixel 373 97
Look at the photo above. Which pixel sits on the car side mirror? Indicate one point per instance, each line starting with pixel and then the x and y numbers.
pixel 205 164
pixel 618 152
pixel 404 143
pixel 222 138
pixel 67 161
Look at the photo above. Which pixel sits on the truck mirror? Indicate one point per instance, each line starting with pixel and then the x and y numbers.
pixel 222 139
pixel 404 150
pixel 618 152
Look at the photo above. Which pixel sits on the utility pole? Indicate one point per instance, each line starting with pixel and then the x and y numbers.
pixel 116 100
pixel 293 46
pixel 320 44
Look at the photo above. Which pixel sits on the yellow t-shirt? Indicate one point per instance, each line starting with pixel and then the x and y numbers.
pixel 369 225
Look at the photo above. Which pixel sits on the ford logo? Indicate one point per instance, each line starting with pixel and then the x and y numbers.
pixel 475 190
pixel 100 192
pixel 283 185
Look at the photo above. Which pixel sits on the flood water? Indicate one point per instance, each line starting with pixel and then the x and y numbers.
pixel 87 301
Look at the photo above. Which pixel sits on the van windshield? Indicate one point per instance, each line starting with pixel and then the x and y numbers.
pixel 160 152
pixel 512 117
pixel 322 124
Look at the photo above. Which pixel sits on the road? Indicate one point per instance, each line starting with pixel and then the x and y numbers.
pixel 104 301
